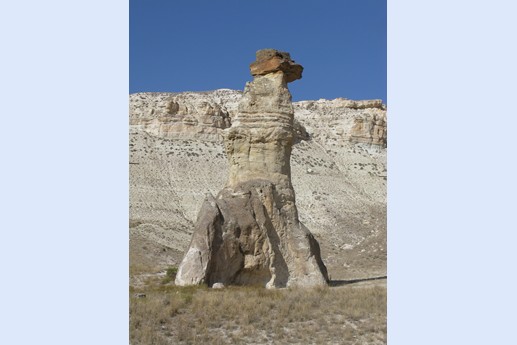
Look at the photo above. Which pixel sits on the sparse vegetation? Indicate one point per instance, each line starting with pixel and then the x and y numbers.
pixel 246 315
pixel 170 275
pixel 134 223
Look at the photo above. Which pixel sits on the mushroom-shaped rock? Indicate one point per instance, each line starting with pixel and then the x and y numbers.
pixel 250 234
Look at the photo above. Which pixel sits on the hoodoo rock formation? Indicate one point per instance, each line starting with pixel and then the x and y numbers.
pixel 250 234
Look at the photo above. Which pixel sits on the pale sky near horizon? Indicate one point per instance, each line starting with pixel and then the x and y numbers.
pixel 204 45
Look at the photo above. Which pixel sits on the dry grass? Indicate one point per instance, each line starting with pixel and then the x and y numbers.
pixel 249 315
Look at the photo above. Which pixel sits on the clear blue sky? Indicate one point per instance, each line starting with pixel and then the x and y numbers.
pixel 199 45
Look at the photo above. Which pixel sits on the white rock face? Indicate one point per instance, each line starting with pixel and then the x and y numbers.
pixel 182 115
pixel 338 170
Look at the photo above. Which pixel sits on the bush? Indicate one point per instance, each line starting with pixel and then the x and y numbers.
pixel 170 275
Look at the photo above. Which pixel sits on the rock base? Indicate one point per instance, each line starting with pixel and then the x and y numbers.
pixel 248 235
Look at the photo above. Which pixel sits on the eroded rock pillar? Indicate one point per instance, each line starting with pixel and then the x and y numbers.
pixel 250 234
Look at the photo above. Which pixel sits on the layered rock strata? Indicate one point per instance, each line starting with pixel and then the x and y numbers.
pixel 250 234
pixel 184 116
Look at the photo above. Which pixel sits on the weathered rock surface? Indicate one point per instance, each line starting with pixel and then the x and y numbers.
pixel 250 233
pixel 366 123
pixel 271 60
pixel 168 115
pixel 340 182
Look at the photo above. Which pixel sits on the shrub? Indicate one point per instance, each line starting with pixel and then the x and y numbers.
pixel 170 275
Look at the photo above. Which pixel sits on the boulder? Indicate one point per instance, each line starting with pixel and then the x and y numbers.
pixel 271 61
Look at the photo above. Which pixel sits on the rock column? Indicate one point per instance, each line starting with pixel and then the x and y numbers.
pixel 250 233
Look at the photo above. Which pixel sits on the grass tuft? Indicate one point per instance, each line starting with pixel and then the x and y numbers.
pixel 170 275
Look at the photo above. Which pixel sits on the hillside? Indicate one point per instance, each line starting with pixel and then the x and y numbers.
pixel 338 173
